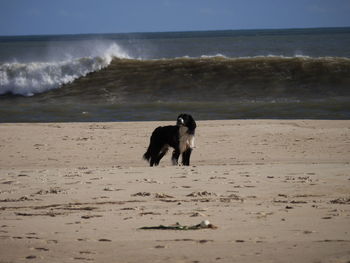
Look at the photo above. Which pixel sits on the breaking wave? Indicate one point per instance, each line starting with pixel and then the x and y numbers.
pixel 116 77
pixel 31 78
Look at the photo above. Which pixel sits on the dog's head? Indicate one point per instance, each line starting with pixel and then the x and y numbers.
pixel 187 121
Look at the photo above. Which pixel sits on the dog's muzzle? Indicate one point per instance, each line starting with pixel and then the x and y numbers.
pixel 180 121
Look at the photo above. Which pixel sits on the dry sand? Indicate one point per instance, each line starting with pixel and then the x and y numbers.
pixel 278 191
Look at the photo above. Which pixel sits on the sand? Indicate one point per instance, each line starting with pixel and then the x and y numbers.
pixel 277 191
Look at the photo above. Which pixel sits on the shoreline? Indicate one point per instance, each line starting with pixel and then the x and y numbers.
pixel 278 191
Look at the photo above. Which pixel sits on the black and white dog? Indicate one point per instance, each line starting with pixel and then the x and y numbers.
pixel 179 136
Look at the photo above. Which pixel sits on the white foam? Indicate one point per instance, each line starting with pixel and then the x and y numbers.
pixel 36 77
pixel 214 56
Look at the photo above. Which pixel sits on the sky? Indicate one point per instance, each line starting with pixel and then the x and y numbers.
pixel 41 17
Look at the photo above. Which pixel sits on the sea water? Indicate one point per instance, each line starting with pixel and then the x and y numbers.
pixel 291 73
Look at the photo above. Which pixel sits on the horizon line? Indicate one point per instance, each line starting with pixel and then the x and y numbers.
pixel 175 31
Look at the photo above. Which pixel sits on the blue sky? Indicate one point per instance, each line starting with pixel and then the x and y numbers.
pixel 31 17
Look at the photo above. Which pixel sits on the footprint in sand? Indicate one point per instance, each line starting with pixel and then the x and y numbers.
pixel 201 194
pixel 90 216
pixel 162 195
pixel 143 194
pixel 41 249
pixel 104 240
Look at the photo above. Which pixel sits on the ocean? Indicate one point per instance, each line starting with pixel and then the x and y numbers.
pixel 234 74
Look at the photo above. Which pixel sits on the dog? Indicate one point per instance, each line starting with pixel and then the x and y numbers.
pixel 180 137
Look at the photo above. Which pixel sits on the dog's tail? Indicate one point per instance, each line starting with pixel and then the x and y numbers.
pixel 147 155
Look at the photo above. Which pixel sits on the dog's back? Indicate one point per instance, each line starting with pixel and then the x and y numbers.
pixel 161 138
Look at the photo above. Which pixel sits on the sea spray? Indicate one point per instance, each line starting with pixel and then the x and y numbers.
pixel 31 78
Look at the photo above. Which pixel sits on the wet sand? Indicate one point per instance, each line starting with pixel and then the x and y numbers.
pixel 277 191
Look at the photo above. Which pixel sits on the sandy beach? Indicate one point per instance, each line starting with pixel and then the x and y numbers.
pixel 277 191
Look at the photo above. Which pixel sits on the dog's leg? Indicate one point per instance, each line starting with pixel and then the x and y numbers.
pixel 186 157
pixel 155 152
pixel 161 155
pixel 175 157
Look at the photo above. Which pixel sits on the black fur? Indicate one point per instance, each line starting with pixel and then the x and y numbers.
pixel 175 136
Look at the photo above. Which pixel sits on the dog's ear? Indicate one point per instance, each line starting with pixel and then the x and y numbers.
pixel 191 124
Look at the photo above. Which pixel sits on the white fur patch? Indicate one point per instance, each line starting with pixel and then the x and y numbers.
pixel 186 140
pixel 191 141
